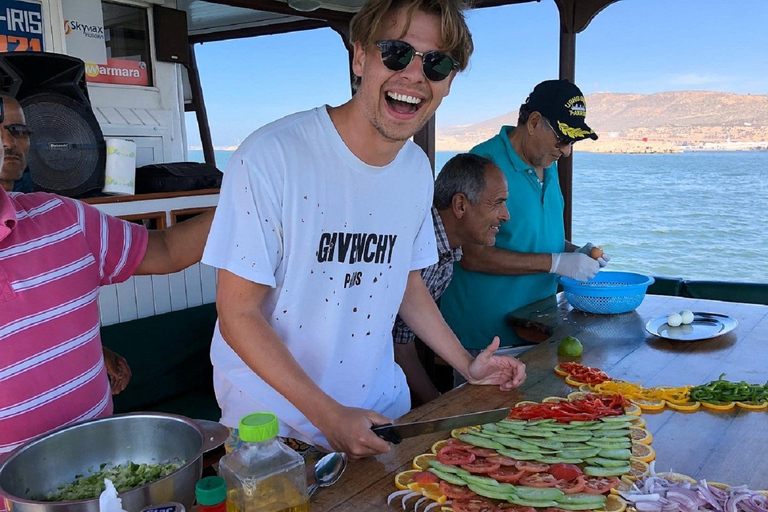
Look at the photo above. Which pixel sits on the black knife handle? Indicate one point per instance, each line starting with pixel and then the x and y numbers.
pixel 387 433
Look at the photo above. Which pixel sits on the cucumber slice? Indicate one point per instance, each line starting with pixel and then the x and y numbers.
pixel 606 463
pixel 482 481
pixel 579 453
pixel 615 425
pixel 531 503
pixel 567 437
pixel 538 493
pixel 582 423
pixel 598 471
pixel 530 432
pixel 559 460
pixel 582 497
pixel 451 478
pixel 580 506
pixel 621 453
pixel 482 442
pixel 546 443
pixel 519 455
pixel 623 418
pixel 502 488
pixel 445 468
pixel 610 433
pixel 611 444
pixel 489 493
pixel 517 444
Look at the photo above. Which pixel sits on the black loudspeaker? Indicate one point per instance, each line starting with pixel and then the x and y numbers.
pixel 67 150
pixel 171 43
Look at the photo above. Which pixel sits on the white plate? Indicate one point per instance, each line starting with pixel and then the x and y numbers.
pixel 703 327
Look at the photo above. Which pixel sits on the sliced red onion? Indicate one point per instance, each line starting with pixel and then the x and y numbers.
pixel 420 502
pixel 397 494
pixel 648 506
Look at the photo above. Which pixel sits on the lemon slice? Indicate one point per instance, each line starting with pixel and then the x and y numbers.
pixel 638 421
pixel 649 404
pixel 573 382
pixel 463 430
pixel 576 395
pixel 633 410
pixel 640 435
pixel 554 399
pixel 403 479
pixel 625 485
pixel 560 371
pixel 755 406
pixel 677 477
pixel 719 406
pixel 614 503
pixel 638 469
pixel 431 491
pixel 439 444
pixel 421 462
pixel 684 406
pixel 525 402
pixel 643 452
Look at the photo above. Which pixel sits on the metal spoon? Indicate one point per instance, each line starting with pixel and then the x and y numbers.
pixel 328 470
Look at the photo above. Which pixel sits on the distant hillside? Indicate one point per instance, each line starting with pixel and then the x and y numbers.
pixel 664 121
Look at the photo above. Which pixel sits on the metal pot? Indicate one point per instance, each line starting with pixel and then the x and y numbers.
pixel 40 466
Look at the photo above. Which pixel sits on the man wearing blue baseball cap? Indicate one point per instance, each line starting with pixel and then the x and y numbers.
pixel 531 249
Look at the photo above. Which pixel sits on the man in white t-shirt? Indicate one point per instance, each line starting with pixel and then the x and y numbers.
pixel 323 225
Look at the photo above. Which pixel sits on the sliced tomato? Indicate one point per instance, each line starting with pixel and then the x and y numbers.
pixel 473 505
pixel 456 491
pixel 454 456
pixel 531 467
pixel 502 460
pixel 565 471
pixel 600 485
pixel 516 508
pixel 425 477
pixel 480 452
pixel 508 474
pixel 481 465
pixel 571 486
pixel 538 480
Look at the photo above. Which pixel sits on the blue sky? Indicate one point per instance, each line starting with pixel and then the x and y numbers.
pixel 639 46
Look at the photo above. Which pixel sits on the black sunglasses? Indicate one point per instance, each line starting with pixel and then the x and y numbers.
pixel 396 55
pixel 561 140
pixel 18 131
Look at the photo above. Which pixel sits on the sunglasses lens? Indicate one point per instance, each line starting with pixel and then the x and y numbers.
pixel 396 55
pixel 437 66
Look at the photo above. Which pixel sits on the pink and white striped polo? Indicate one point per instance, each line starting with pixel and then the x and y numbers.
pixel 55 252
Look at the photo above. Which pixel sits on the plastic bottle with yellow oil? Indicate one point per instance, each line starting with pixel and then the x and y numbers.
pixel 264 475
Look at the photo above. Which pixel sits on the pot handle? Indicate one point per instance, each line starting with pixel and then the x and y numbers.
pixel 214 434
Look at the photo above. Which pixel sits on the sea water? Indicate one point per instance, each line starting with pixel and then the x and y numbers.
pixel 694 215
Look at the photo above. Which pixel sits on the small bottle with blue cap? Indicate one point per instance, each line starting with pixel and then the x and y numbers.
pixel 263 474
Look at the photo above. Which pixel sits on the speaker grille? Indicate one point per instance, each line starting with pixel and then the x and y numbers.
pixel 67 154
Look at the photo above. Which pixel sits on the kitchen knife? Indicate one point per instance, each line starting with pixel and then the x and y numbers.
pixel 395 433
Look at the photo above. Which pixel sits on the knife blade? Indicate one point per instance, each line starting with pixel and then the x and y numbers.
pixel 395 433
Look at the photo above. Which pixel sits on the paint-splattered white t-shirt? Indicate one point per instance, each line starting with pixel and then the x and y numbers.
pixel 335 238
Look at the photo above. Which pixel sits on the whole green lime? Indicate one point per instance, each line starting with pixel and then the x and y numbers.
pixel 569 346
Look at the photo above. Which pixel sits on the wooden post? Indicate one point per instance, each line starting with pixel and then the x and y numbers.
pixel 565 164
pixel 198 104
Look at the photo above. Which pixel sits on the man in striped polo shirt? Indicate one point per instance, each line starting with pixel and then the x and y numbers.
pixel 55 253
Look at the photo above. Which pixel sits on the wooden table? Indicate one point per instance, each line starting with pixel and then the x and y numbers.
pixel 727 447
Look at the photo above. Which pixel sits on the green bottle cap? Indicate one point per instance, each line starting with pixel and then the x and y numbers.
pixel 258 427
pixel 211 490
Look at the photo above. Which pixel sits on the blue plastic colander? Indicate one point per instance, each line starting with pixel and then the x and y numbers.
pixel 607 293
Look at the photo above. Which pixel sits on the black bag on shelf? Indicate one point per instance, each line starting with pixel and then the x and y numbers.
pixel 176 177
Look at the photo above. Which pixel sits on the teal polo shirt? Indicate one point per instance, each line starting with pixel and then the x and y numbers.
pixel 475 303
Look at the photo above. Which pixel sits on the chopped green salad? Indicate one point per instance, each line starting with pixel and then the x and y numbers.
pixel 125 477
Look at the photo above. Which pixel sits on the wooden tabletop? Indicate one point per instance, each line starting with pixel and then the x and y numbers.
pixel 728 447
